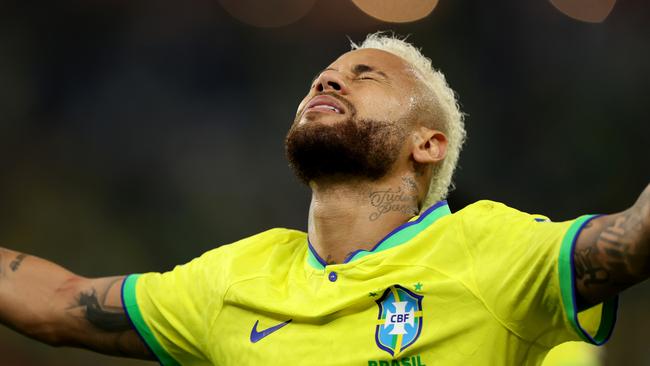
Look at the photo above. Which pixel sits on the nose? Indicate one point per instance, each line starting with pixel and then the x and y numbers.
pixel 331 80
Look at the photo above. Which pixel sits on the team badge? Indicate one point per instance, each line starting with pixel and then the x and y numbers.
pixel 400 319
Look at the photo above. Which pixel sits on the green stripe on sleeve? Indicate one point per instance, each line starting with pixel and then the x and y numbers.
pixel 130 303
pixel 567 288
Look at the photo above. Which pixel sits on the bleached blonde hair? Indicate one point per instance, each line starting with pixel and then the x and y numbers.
pixel 441 102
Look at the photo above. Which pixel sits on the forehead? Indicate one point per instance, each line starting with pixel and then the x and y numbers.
pixel 390 64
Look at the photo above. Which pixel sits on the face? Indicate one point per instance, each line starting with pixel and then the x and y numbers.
pixel 354 120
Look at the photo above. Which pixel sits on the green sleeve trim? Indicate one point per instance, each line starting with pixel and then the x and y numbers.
pixel 130 304
pixel 567 288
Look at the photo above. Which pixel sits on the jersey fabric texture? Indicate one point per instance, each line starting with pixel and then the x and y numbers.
pixel 574 354
pixel 487 285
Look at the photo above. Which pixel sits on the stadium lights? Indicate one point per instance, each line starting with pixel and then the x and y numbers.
pixel 278 13
pixel 397 11
pixel 267 13
pixel 591 11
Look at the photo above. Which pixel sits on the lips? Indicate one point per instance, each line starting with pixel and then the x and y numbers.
pixel 325 103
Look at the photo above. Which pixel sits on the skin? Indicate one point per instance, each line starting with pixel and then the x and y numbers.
pixel 51 304
pixel 612 253
pixel 346 216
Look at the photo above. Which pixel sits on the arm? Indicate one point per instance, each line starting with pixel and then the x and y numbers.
pixel 612 253
pixel 48 303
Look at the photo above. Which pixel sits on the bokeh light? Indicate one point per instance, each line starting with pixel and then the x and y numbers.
pixel 592 11
pixel 267 13
pixel 397 11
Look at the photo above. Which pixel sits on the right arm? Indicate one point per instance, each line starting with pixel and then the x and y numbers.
pixel 53 305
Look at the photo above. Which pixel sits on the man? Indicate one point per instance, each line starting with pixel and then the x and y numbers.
pixel 386 275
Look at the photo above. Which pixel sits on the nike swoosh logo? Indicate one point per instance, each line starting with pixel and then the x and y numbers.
pixel 257 336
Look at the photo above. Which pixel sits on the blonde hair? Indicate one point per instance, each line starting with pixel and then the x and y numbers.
pixel 442 103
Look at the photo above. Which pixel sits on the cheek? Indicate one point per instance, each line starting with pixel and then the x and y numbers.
pixel 386 108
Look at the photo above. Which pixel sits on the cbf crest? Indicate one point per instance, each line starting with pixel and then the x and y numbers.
pixel 400 319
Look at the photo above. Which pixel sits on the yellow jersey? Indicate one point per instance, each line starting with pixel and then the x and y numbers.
pixel 487 285
pixel 574 354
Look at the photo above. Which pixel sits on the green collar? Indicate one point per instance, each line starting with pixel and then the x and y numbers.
pixel 400 235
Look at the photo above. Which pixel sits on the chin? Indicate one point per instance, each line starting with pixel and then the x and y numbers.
pixel 322 149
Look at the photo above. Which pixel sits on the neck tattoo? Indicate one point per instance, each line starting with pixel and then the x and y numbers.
pixel 395 200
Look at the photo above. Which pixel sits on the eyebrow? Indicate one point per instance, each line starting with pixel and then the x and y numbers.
pixel 357 70
pixel 361 68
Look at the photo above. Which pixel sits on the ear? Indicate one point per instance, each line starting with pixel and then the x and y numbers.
pixel 429 146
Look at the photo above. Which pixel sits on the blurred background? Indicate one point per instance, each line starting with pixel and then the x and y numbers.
pixel 135 135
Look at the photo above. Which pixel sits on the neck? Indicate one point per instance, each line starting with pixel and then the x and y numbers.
pixel 347 217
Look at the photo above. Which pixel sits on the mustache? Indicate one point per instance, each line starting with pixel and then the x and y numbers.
pixel 346 103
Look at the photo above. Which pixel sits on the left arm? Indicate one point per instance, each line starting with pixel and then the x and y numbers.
pixel 613 253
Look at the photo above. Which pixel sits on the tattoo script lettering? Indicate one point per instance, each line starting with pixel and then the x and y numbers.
pixel 404 201
pixel 15 264
pixel 391 201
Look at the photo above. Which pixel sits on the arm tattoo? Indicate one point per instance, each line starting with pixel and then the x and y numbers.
pixel 99 314
pixel 613 253
pixel 108 318
pixel 98 307
pixel 609 256
pixel 588 271
pixel 13 265
pixel 17 262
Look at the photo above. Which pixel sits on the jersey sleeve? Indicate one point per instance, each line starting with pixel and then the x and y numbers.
pixel 172 311
pixel 523 269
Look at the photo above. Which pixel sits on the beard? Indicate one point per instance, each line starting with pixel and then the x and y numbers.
pixel 354 149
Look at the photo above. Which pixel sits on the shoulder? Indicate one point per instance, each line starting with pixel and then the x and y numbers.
pixel 246 257
pixel 488 222
pixel 491 211
pixel 484 207
pixel 273 239
pixel 259 251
